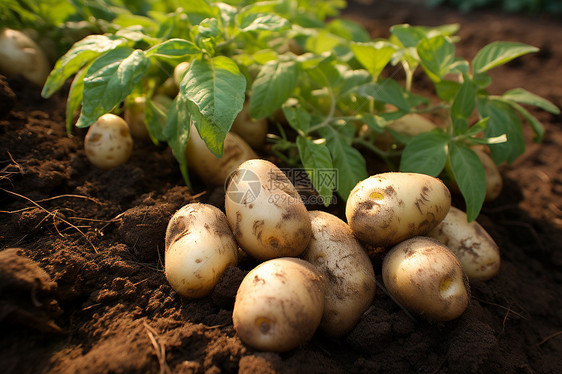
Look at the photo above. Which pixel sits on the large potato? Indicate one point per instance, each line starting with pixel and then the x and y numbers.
pixel 19 54
pixel 265 211
pixel 426 278
pixel 477 252
pixel 199 248
pixel 347 269
pixel 279 305
pixel 211 169
pixel 388 208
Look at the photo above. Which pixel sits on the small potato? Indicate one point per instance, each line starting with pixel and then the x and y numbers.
pixel 265 211
pixel 477 252
pixel 179 71
pixel 199 248
pixel 211 169
pixel 19 54
pixel 426 278
pixel 279 305
pixel 134 116
pixel 108 142
pixel 252 131
pixel 347 270
pixel 388 208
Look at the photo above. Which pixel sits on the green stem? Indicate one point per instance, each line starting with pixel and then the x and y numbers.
pixel 384 155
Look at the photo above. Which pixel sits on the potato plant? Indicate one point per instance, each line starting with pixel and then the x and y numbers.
pixel 324 78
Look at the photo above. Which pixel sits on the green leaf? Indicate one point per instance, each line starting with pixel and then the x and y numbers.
pixel 215 90
pixel 468 171
pixel 408 35
pixel 176 132
pixel 373 56
pixel 502 121
pixel 464 102
pixel 349 30
pixel 109 81
pixel 499 53
pixel 436 54
pixel 317 162
pixel 79 55
pixel 446 89
pixel 75 96
pixel 351 79
pixel 263 22
pixel 426 153
pixel 298 118
pixel 537 126
pixel 388 91
pixel 274 84
pixel 348 161
pixel 156 118
pixel 522 96
pixel 175 48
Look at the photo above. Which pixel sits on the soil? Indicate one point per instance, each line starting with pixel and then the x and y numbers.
pixel 82 288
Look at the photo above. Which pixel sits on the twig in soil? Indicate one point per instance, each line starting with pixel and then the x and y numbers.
pixel 395 301
pixel 5 173
pixel 500 306
pixel 158 348
pixel 549 337
pixel 54 215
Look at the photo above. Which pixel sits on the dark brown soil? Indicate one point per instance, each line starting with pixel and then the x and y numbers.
pixel 86 293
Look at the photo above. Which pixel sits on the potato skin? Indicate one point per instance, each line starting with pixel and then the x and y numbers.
pixel 199 247
pixel 426 278
pixel 252 131
pixel 108 142
pixel 212 170
pixel 347 269
pixel 279 305
pixel 19 54
pixel 272 221
pixel 387 208
pixel 477 252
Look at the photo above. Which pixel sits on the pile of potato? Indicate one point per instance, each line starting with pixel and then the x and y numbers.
pixel 314 273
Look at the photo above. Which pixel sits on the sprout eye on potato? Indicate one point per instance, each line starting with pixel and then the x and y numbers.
pixel 19 54
pixel 199 248
pixel 211 169
pixel 477 252
pixel 426 278
pixel 279 305
pixel 265 211
pixel 108 142
pixel 388 208
pixel 347 270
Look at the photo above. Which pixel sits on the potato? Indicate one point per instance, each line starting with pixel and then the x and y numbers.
pixel 179 71
pixel 199 247
pixel 134 116
pixel 426 278
pixel 108 142
pixel 388 208
pixel 20 55
pixel 252 131
pixel 211 169
pixel 411 124
pixel 265 211
pixel 347 270
pixel 477 252
pixel 279 305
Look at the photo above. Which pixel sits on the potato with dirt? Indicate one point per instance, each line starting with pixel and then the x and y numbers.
pixel 212 170
pixel 252 131
pixel 20 55
pixel 265 211
pixel 476 250
pixel 199 247
pixel 279 305
pixel 426 278
pixel 347 270
pixel 108 142
pixel 387 208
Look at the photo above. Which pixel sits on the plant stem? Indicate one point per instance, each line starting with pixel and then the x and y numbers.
pixel 384 155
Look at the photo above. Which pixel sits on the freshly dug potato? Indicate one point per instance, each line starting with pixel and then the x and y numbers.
pixel 477 252
pixel 211 169
pixel 19 54
pixel 347 270
pixel 199 247
pixel 265 211
pixel 388 208
pixel 279 305
pixel 252 131
pixel 108 142
pixel 426 278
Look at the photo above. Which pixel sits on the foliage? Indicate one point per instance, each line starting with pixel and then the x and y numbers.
pixel 325 74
